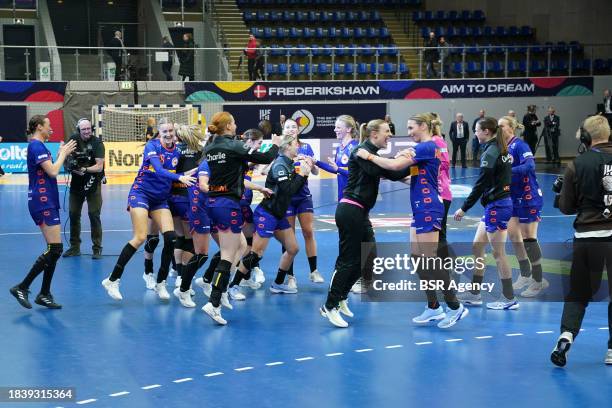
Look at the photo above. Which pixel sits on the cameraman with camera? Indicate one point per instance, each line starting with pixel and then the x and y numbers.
pixel 86 165
pixel 586 190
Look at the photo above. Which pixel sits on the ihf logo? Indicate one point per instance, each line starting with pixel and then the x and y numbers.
pixel 607 184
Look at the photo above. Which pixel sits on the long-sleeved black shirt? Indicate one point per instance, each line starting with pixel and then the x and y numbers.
pixel 283 180
pixel 228 161
pixel 364 177
pixel 495 177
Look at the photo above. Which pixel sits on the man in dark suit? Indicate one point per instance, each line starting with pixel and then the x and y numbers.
pixel 277 128
pixel 605 108
pixel 552 131
pixel 391 125
pixel 431 55
pixel 117 54
pixel 459 134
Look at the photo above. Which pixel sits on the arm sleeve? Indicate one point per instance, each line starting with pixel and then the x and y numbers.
pixel 255 156
pixel 286 183
pixel 159 169
pixel 479 188
pixel 568 198
pixel 395 175
pixel 527 163
pixel 100 150
pixel 40 153
pixel 343 171
pixel 327 167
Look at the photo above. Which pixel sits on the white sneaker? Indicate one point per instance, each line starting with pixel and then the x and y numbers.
pixel 504 304
pixel 344 309
pixel 235 293
pixel 161 290
pixel 316 277
pixel 259 275
pixel 206 287
pixel 608 359
pixel 559 353
pixel 112 288
pixel 535 289
pixel 225 301
pixel 522 282
pixel 250 283
pixel 214 313
pixel 430 315
pixel 291 282
pixel 359 287
pixel 333 316
pixel 149 280
pixel 453 316
pixel 184 298
pixel 470 299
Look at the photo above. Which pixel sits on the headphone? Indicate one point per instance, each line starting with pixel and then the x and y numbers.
pixel 585 137
pixel 78 126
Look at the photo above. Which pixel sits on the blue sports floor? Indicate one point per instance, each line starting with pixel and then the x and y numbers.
pixel 277 350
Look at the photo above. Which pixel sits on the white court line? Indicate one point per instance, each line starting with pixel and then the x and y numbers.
pixel 118 394
pixel 514 334
pixel 483 337
pixel 394 230
pixel 423 343
pixel 213 374
pixel 243 369
pixel 274 363
pixel 394 346
pixel 603 328
pixel 452 340
pixel 333 354
pixel 86 401
pixel 363 350
pixel 304 358
pixel 545 332
pixel 324 229
pixel 182 380
pixel 150 387
pixel 582 330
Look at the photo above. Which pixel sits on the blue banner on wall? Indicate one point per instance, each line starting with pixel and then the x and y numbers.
pixel 14 156
pixel 387 89
pixel 315 121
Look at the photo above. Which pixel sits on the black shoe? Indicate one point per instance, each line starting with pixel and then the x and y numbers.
pixel 47 301
pixel 97 254
pixel 22 296
pixel 72 251
pixel 558 355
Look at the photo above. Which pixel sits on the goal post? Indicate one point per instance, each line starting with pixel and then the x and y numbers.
pixel 128 123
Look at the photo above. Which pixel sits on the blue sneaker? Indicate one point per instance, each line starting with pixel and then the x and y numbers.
pixel 453 316
pixel 503 304
pixel 430 315
pixel 276 288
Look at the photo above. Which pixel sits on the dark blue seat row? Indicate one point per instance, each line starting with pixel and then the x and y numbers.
pixel 361 68
pixel 535 49
pixel 311 16
pixel 379 3
pixel 327 50
pixel 282 33
pixel 487 31
pixel 520 67
pixel 442 16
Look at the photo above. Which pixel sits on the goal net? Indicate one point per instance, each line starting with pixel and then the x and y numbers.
pixel 128 123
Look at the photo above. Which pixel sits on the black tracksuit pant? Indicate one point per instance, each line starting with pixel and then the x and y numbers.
pixel 589 258
pixel 354 227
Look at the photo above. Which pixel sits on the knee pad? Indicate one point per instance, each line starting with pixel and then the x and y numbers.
pixel 151 243
pixel 188 246
pixel 180 241
pixel 251 260
pixel 169 238
pixel 249 241
pixel 54 252
pixel 532 247
pixel 222 274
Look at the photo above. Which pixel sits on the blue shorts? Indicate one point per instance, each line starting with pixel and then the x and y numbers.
pixel 299 206
pixel 224 214
pixel 427 221
pixel 527 215
pixel 247 214
pixel 179 207
pixel 266 223
pixel 497 214
pixel 199 221
pixel 137 199
pixel 48 217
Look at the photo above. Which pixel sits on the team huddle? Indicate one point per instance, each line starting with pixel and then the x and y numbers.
pixel 193 185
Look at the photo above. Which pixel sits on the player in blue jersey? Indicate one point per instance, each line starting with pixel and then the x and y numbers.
pixel 493 189
pixel 527 204
pixel 43 204
pixel 148 197
pixel 427 213
pixel 301 207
